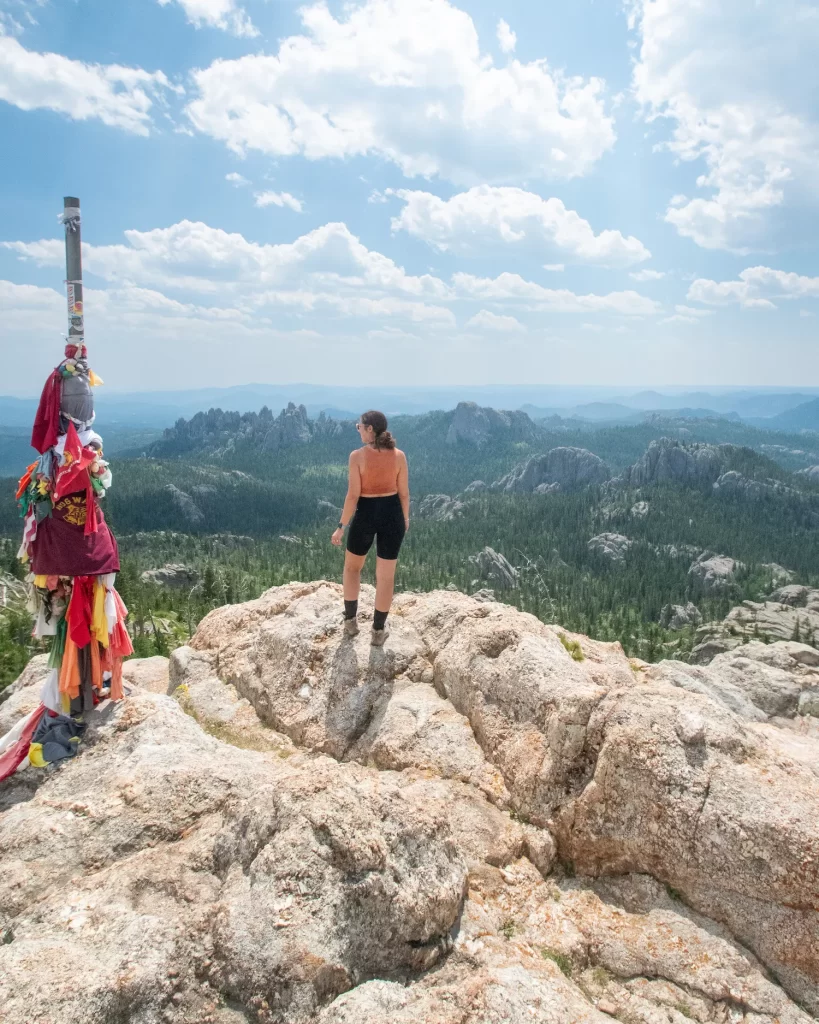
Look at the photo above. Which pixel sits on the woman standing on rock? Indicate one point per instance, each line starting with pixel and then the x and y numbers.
pixel 378 504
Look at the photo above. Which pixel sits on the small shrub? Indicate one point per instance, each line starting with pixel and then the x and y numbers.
pixel 684 1009
pixel 508 928
pixel 562 961
pixel 573 647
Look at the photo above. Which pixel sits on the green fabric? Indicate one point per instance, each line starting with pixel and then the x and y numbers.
pixel 55 658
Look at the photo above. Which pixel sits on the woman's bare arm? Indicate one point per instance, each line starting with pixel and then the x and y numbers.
pixel 353 490
pixel 403 487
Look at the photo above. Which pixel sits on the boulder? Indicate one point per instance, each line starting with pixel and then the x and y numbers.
pixel 150 674
pixel 484 595
pixel 172 575
pixel 714 571
pixel 440 508
pixel 678 616
pixel 328 511
pixel 734 484
pixel 613 546
pixel 564 469
pixel 495 568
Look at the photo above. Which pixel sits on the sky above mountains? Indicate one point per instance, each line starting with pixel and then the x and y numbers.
pixel 414 191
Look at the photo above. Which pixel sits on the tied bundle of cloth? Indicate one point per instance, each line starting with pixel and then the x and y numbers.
pixel 73 560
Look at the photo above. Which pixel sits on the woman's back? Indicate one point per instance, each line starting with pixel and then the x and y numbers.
pixel 379 469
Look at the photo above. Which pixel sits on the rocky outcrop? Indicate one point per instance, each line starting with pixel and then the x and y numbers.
pixel 172 575
pixel 715 572
pixel 679 616
pixel 467 826
pixel 734 484
pixel 221 433
pixel 328 511
pixel 811 474
pixel 493 567
pixel 769 620
pixel 476 487
pixel 191 513
pixel 669 460
pixel 639 510
pixel 561 469
pixel 613 546
pixel 440 508
pixel 473 424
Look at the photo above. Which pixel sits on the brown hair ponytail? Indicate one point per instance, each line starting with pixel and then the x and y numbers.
pixel 378 421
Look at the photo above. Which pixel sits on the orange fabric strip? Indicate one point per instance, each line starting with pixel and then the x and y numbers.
pixel 70 670
pixel 116 680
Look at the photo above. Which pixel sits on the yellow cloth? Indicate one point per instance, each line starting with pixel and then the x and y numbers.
pixel 94 380
pixel 99 623
pixel 41 582
pixel 35 755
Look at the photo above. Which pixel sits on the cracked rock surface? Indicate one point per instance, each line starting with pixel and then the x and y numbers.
pixel 469 825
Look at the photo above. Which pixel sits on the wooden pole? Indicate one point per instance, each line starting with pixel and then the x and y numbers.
pixel 73 270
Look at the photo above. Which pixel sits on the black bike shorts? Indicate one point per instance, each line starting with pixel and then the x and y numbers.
pixel 379 519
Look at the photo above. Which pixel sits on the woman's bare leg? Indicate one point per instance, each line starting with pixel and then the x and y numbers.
pixel 353 564
pixel 384 583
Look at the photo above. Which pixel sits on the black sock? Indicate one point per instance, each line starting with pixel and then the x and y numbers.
pixel 379 619
pixel 350 609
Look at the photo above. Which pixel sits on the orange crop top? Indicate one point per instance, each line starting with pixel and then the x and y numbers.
pixel 379 471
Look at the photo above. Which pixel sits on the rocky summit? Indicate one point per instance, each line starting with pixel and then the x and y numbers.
pixel 487 821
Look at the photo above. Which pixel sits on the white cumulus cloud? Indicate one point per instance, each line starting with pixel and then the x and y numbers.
pixel 488 321
pixel 407 81
pixel 279 199
pixel 236 179
pixel 472 222
pixel 513 288
pixel 736 82
pixel 756 288
pixel 507 39
pixel 118 96
pixel 223 14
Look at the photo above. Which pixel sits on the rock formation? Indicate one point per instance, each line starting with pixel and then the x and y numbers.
pixel 173 575
pixel 613 546
pixel 735 484
pixel 791 613
pixel 191 513
pixel 440 508
pixel 495 568
pixel 671 460
pixel 811 474
pixel 468 826
pixel 476 487
pixel 473 424
pixel 715 571
pixel 563 469
pixel 678 616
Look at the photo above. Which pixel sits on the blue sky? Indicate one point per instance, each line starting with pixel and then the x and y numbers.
pixel 414 191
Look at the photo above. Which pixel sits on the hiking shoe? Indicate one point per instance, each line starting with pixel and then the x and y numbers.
pixel 351 627
pixel 379 636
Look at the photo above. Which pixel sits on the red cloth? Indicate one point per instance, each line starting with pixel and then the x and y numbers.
pixel 11 759
pixel 63 548
pixel 47 421
pixel 80 610
pixel 73 472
